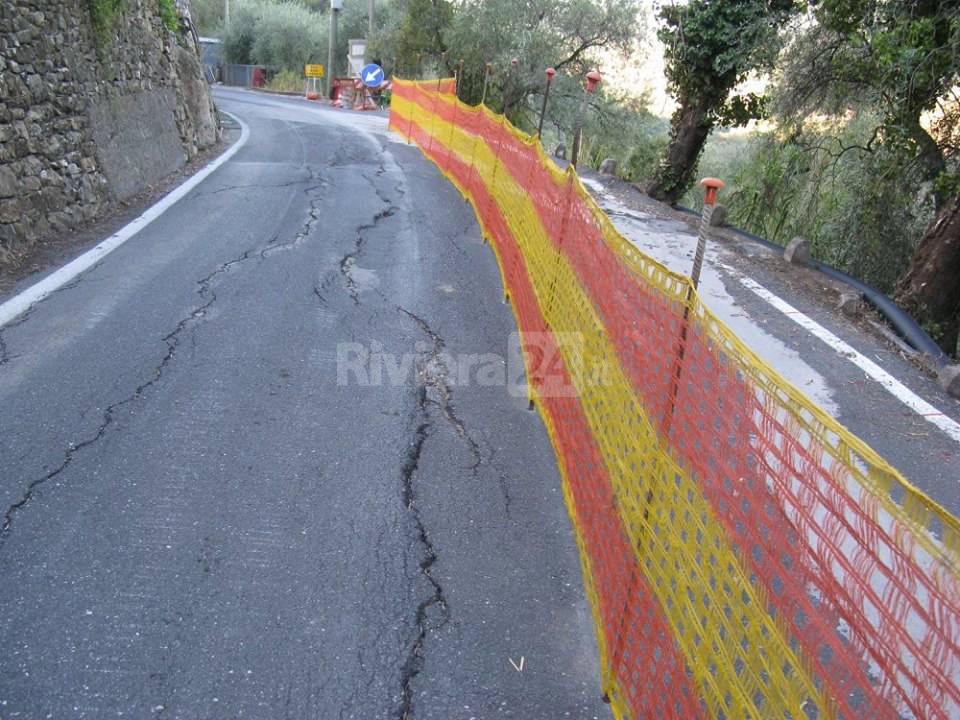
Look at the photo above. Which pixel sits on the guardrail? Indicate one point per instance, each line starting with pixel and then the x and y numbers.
pixel 744 554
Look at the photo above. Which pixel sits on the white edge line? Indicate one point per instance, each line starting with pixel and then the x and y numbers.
pixel 20 303
pixel 896 388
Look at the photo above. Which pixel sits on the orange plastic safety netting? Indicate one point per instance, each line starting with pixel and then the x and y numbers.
pixel 744 554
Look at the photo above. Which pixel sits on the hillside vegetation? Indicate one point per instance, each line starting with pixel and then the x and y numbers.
pixel 856 144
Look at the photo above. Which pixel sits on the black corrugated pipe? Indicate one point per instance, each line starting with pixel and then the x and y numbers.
pixel 908 328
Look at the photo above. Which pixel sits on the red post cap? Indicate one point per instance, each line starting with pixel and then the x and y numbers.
pixel 593 79
pixel 550 73
pixel 515 62
pixel 712 185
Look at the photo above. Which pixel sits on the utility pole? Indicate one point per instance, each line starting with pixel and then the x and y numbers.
pixel 335 7
pixel 226 12
pixel 370 14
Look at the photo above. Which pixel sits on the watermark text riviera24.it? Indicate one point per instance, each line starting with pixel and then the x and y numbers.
pixel 549 358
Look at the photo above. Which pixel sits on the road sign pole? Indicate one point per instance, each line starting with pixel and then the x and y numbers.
pixel 593 79
pixel 546 95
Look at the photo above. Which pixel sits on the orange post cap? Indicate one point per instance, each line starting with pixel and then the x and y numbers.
pixel 711 184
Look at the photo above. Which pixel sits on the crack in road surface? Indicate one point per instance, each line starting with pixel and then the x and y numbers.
pixel 264 186
pixel 433 373
pixel 313 217
pixel 172 339
pixel 348 261
pixel 413 664
pixel 502 479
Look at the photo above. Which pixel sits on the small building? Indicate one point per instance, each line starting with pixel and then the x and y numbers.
pixel 211 55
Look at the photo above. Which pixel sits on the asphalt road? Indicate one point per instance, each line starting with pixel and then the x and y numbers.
pixel 202 520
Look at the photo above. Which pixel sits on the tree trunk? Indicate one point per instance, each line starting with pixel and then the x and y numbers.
pixel 929 155
pixel 690 127
pixel 930 287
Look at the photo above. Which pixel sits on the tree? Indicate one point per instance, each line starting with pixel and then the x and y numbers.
pixel 710 48
pixel 411 34
pixel 897 56
pixel 540 34
pixel 930 288
pixel 283 35
pixel 902 59
pixel 207 15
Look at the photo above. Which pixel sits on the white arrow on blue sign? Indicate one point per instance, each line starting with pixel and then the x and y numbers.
pixel 372 75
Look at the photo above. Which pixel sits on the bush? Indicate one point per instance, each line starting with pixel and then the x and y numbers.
pixel 645 156
pixel 858 208
pixel 168 13
pixel 286 81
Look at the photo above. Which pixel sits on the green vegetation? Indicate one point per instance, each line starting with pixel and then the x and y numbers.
pixel 168 13
pixel 286 81
pixel 282 35
pixel 858 145
pixel 277 35
pixel 860 211
pixel 104 14
pixel 710 48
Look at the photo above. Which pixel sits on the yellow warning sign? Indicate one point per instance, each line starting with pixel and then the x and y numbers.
pixel 313 70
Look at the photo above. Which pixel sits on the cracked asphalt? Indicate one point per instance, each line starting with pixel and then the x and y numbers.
pixel 206 515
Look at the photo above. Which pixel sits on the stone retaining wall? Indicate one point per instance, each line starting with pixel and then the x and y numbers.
pixel 80 127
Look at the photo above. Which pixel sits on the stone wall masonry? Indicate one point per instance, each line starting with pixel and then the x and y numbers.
pixel 80 129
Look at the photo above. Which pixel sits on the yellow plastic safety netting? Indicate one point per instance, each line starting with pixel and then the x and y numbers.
pixel 744 554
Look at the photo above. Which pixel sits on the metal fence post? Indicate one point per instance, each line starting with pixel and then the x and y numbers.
pixel 711 185
pixel 486 79
pixel 593 79
pixel 546 95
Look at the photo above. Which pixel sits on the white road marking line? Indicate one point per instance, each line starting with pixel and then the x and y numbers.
pixel 19 304
pixel 900 391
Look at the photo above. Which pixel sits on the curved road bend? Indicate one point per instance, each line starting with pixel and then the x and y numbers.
pixel 202 522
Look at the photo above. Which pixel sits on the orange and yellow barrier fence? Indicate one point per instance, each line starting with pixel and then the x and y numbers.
pixel 744 554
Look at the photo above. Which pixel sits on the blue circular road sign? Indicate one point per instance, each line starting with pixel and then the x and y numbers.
pixel 372 75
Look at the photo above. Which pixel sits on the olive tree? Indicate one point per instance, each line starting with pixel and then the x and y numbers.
pixel 710 48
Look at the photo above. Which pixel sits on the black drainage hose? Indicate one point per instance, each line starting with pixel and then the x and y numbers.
pixel 908 328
